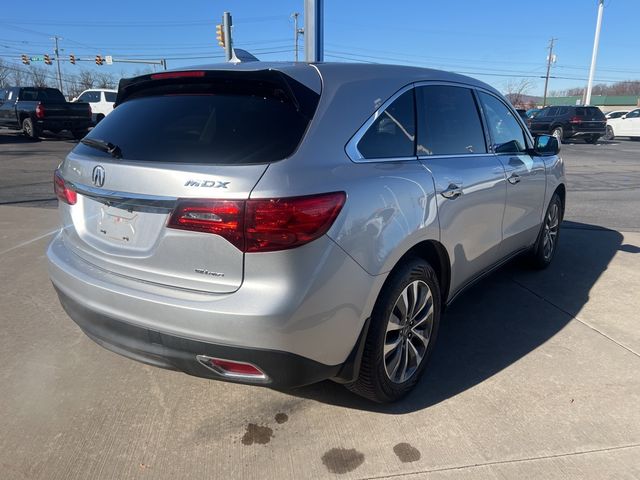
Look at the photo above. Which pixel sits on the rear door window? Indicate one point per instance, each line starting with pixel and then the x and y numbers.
pixel 449 121
pixel 507 135
pixel 217 123
pixel 393 133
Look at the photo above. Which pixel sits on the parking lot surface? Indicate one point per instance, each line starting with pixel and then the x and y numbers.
pixel 535 374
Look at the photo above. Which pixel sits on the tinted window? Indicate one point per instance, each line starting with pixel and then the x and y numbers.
pixel 449 121
pixel 506 134
pixel 110 96
pixel 393 133
pixel 45 95
pixel 246 126
pixel 90 97
pixel 633 114
pixel 589 112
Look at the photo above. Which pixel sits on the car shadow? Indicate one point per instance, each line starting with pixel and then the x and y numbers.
pixel 498 321
pixel 8 137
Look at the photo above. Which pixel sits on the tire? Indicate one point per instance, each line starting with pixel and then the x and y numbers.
pixel 609 135
pixel 387 378
pixel 593 139
pixel 79 134
pixel 558 133
pixel 546 244
pixel 29 129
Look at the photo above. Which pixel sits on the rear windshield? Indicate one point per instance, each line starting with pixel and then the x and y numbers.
pixel 204 124
pixel 44 95
pixel 591 112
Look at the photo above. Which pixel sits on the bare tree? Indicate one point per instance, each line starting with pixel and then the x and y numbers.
pixel 517 91
pixel 86 79
pixel 38 76
pixel 5 74
pixel 105 80
pixel 18 77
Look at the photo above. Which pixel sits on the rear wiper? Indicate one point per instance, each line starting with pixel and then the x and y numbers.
pixel 103 146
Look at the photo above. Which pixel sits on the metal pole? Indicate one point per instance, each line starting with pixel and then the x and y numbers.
pixel 164 63
pixel 226 26
pixel 58 62
pixel 594 56
pixel 313 30
pixel 296 33
pixel 546 78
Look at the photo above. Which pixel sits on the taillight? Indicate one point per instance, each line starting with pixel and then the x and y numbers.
pixel 220 217
pixel 281 223
pixel 39 111
pixel 262 225
pixel 575 120
pixel 63 190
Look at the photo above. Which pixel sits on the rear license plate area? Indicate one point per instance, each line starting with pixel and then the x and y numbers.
pixel 117 225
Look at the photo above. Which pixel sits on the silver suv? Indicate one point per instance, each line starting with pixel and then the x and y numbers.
pixel 281 224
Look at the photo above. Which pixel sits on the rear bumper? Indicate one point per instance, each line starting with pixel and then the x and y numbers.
pixel 298 316
pixel 579 132
pixel 71 125
pixel 283 369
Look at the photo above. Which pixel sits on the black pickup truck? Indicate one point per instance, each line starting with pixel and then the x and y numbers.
pixel 33 109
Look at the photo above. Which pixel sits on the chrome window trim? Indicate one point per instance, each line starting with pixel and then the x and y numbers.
pixel 351 148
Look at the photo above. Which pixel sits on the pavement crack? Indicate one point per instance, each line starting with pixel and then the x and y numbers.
pixel 506 462
pixel 575 317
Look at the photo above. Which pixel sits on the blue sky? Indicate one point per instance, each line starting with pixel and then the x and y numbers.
pixel 494 40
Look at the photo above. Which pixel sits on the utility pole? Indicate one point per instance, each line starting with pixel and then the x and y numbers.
pixel 314 30
pixel 594 56
pixel 296 34
pixel 226 28
pixel 57 52
pixel 546 78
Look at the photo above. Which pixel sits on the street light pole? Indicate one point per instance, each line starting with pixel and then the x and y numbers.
pixel 313 30
pixel 594 56
pixel 546 78
pixel 57 52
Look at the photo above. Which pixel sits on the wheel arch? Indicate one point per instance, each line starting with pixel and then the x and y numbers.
pixel 561 190
pixel 436 255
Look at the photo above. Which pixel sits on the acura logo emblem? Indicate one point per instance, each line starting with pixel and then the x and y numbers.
pixel 97 177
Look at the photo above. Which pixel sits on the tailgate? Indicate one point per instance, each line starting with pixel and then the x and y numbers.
pixel 196 146
pixel 126 233
pixel 67 111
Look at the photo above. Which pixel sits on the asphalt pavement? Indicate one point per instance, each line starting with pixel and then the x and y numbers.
pixel 536 374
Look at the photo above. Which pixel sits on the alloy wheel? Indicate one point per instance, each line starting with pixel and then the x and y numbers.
pixel 550 234
pixel 408 331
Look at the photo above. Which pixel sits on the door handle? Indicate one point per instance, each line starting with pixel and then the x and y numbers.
pixel 453 191
pixel 514 178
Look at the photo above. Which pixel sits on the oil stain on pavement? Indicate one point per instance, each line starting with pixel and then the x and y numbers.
pixel 406 452
pixel 342 460
pixel 257 434
pixel 281 418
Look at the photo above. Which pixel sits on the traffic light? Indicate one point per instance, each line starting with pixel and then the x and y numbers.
pixel 99 60
pixel 72 59
pixel 220 35
pixel 25 60
pixel 47 60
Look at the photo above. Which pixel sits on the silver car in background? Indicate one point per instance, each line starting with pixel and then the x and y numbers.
pixel 280 224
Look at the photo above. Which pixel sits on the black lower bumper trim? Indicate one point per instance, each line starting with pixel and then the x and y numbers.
pixel 284 369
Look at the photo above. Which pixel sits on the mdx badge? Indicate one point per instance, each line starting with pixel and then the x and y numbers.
pixel 206 183
pixel 97 176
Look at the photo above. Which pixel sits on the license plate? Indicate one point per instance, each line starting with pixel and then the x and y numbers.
pixel 117 224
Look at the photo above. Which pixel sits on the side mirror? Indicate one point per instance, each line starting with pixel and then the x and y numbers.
pixel 74 99
pixel 545 145
pixel 623 117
